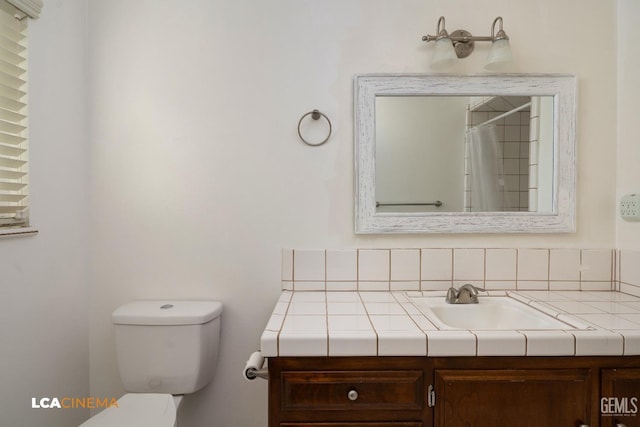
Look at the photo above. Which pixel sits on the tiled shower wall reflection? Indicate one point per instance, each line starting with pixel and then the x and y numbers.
pixel 438 269
pixel 513 136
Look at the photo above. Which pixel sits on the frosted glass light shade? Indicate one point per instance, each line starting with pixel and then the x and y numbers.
pixel 444 54
pixel 499 54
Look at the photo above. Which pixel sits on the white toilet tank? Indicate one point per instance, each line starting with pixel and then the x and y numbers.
pixel 167 346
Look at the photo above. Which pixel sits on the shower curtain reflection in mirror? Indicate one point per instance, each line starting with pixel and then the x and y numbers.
pixel 486 183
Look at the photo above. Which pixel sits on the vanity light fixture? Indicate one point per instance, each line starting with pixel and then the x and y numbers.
pixel 445 53
pixel 461 43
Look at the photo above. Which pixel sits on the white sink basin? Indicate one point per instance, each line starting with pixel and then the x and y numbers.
pixel 491 313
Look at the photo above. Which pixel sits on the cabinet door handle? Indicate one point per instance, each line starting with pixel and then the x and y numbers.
pixel 352 395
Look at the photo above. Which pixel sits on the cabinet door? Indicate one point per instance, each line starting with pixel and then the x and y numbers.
pixel 620 398
pixel 522 397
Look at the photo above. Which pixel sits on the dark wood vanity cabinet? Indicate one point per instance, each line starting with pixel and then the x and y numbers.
pixel 454 392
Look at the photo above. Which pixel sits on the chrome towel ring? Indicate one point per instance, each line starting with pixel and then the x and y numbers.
pixel 315 115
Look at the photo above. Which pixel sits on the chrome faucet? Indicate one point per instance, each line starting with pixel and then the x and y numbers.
pixel 467 294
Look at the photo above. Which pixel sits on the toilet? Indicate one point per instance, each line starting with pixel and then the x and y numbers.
pixel 165 349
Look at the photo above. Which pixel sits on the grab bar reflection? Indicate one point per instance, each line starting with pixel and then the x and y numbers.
pixel 437 203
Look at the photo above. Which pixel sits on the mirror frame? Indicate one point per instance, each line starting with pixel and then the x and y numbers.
pixel 562 219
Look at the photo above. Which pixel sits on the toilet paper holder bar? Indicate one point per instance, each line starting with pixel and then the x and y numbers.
pixel 263 373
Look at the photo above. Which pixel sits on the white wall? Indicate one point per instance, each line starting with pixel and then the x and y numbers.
pixel 44 350
pixel 198 178
pixel 628 233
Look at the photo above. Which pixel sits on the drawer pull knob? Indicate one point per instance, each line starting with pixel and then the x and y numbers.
pixel 352 395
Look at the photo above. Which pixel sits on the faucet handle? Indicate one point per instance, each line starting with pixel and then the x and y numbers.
pixel 479 289
pixel 452 295
pixel 471 287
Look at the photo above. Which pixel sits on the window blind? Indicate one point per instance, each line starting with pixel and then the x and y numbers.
pixel 13 117
pixel 31 8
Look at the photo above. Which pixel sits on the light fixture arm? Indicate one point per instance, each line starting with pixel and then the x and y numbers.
pixel 501 35
pixel 463 41
pixel 442 32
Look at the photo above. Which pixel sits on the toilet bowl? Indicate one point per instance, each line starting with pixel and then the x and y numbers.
pixel 139 410
pixel 165 349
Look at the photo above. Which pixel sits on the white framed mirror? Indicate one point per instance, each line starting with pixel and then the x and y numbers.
pixel 465 154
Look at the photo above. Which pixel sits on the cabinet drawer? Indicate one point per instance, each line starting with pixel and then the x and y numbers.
pixel 390 424
pixel 353 390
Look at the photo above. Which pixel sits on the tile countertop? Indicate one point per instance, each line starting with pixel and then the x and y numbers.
pixel 388 324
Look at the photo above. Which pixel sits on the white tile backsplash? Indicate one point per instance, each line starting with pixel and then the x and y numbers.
pixel 308 265
pixel 437 264
pixel 310 297
pixel 404 286
pixel 491 285
pixel 373 286
pixel 501 264
pixel 629 268
pixel 405 264
pixel 287 264
pixel 435 285
pixel 596 265
pixel 564 285
pixel 532 285
pixel 373 265
pixel 309 286
pixel 342 265
pixel 412 269
pixel 533 264
pixel 564 264
pixel 342 286
pixel 596 286
pixel 468 265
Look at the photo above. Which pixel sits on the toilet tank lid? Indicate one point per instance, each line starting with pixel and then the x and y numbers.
pixel 164 312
